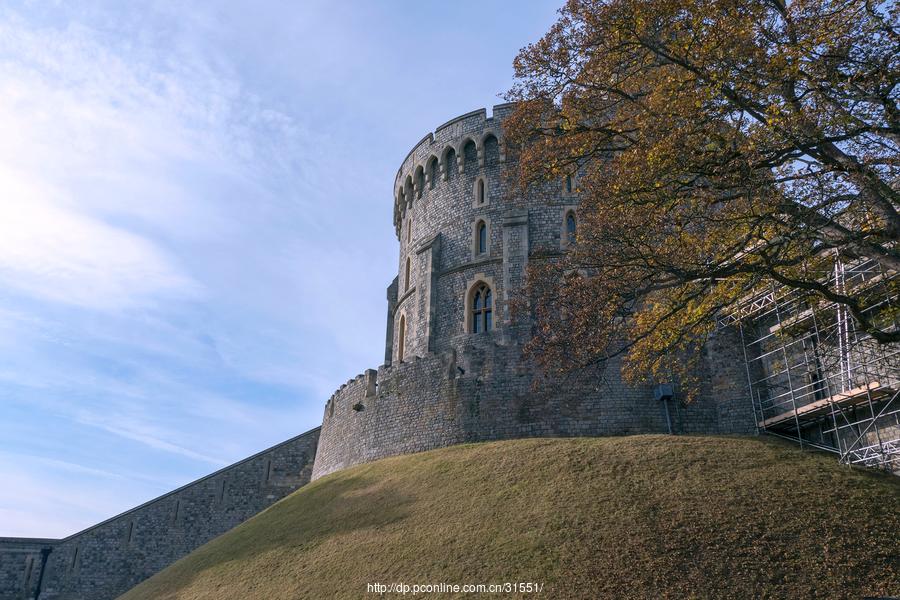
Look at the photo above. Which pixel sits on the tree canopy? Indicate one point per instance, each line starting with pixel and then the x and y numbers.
pixel 718 147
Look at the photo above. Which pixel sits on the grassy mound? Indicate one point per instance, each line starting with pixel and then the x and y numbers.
pixel 627 517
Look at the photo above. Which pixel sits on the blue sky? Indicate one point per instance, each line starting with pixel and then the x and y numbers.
pixel 195 224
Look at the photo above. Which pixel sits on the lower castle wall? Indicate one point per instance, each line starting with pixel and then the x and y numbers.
pixel 487 392
pixel 20 564
pixel 108 559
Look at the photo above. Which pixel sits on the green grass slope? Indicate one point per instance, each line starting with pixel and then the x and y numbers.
pixel 625 517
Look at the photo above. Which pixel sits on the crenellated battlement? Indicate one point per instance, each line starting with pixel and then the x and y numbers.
pixel 430 159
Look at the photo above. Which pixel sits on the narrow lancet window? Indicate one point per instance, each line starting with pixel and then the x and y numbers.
pixel 406 276
pixel 481 231
pixel 571 227
pixel 402 341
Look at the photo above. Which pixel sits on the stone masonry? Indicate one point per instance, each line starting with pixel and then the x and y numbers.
pixel 106 560
pixel 453 385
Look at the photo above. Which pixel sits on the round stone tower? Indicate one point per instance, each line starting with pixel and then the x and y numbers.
pixel 454 369
pixel 465 239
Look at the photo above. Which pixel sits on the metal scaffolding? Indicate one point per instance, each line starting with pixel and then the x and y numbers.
pixel 815 377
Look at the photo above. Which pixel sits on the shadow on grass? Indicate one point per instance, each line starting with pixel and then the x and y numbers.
pixel 325 509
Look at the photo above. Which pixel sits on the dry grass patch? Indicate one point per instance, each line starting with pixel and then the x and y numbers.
pixel 626 517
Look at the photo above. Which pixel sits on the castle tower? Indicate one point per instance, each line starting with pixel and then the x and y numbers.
pixel 465 239
pixel 454 369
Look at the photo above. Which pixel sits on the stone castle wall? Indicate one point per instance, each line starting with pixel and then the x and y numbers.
pixel 20 566
pixel 487 392
pixel 454 386
pixel 107 559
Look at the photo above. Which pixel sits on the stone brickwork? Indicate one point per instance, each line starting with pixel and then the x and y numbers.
pixel 487 392
pixel 20 566
pixel 456 386
pixel 107 559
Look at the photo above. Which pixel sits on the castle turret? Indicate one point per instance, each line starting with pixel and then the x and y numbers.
pixel 454 365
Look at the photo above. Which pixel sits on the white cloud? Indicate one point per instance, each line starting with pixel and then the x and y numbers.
pixel 57 254
pixel 83 133
pixel 168 251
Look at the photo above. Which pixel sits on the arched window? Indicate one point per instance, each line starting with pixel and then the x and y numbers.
pixel 482 309
pixel 406 279
pixel 571 227
pixel 408 231
pixel 402 342
pixel 568 184
pixel 479 192
pixel 481 237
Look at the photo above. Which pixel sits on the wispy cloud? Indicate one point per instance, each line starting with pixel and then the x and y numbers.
pixel 121 167
pixel 195 229
pixel 140 432
pixel 56 254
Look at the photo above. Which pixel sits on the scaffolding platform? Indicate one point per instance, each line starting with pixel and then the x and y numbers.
pixel 813 410
pixel 814 375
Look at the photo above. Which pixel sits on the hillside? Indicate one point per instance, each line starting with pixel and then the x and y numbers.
pixel 625 517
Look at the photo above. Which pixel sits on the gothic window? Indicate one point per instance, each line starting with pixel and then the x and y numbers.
pixel 479 192
pixel 481 240
pixel 482 309
pixel 406 278
pixel 568 184
pixel 571 227
pixel 402 342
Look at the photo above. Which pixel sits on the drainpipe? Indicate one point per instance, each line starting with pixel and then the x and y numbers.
pixel 665 392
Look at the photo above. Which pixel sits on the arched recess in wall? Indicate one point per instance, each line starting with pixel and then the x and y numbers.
pixel 401 343
pixel 491 149
pixel 470 156
pixel 408 190
pixel 449 161
pixel 420 181
pixel 434 171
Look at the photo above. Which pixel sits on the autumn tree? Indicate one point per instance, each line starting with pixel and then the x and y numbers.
pixel 720 146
